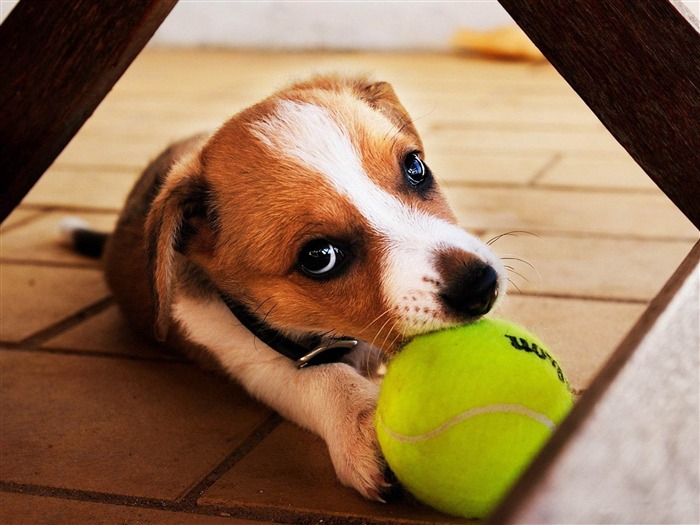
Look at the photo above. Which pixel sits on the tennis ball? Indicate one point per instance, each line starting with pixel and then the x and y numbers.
pixel 462 412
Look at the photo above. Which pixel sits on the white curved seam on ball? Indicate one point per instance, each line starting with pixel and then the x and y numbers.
pixel 472 412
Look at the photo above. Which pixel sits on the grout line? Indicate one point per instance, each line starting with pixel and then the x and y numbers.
pixel 441 125
pixel 553 161
pixel 592 298
pixel 95 265
pixel 614 190
pixel 17 347
pixel 65 208
pixel 560 188
pixel 22 222
pixel 505 153
pixel 241 511
pixel 75 319
pixel 83 495
pixel 253 440
pixel 477 232
pixel 564 234
pixel 112 169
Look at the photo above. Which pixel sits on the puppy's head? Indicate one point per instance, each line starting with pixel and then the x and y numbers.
pixel 316 208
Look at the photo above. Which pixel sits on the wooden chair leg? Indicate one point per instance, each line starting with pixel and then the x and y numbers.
pixel 58 61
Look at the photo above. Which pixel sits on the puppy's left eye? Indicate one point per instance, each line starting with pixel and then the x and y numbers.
pixel 415 171
pixel 321 258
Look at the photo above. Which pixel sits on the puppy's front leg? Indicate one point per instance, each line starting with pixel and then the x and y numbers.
pixel 333 401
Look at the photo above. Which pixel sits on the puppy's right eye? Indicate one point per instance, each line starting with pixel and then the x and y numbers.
pixel 321 258
pixel 415 170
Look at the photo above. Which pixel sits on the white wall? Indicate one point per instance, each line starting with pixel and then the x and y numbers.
pixel 327 24
pixel 324 24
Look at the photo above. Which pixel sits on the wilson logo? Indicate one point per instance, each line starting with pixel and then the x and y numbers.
pixel 524 345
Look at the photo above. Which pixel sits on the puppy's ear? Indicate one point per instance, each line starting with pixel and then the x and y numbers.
pixel 381 96
pixel 182 220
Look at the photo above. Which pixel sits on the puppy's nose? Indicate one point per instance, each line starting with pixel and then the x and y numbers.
pixel 472 290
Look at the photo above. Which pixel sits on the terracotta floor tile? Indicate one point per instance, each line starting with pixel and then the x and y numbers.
pixel 41 241
pixel 22 509
pixel 133 144
pixel 107 333
pixel 454 169
pixel 574 212
pixel 18 216
pixel 35 297
pixel 456 138
pixel 591 267
pixel 613 172
pixel 291 469
pixel 94 188
pixel 125 427
pixel 496 106
pixel 125 153
pixel 582 333
pixel 145 119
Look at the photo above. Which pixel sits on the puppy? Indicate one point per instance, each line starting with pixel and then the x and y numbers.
pixel 307 223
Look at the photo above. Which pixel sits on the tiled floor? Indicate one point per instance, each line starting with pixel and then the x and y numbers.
pixel 98 427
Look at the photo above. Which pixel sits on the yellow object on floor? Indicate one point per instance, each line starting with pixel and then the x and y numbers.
pixel 505 43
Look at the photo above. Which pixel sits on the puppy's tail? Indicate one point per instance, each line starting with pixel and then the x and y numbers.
pixel 78 234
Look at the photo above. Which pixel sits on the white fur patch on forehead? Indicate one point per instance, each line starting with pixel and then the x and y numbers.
pixel 310 135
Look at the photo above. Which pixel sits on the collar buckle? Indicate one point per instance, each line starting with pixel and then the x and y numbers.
pixel 323 351
pixel 327 352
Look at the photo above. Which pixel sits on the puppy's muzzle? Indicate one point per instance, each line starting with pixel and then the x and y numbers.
pixel 469 286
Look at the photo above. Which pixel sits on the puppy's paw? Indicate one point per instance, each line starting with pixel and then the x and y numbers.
pixel 356 456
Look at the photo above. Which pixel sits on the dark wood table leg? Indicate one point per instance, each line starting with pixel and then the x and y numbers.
pixel 58 60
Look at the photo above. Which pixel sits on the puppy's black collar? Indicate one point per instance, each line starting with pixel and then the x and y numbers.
pixel 318 350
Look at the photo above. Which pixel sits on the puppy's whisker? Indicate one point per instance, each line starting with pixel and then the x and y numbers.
pixel 261 305
pixel 517 273
pixel 520 260
pixel 514 285
pixel 406 121
pixel 373 362
pixel 264 319
pixel 381 329
pixel 385 312
pixel 267 314
pixel 513 233
pixel 396 338
pixel 397 334
pixel 367 367
pixel 377 335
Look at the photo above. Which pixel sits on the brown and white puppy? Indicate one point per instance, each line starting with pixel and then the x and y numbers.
pixel 313 214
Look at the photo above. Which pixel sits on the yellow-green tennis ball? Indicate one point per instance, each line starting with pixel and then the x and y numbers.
pixel 462 412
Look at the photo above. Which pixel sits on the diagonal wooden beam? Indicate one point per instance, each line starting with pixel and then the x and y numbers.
pixel 58 61
pixel 637 66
